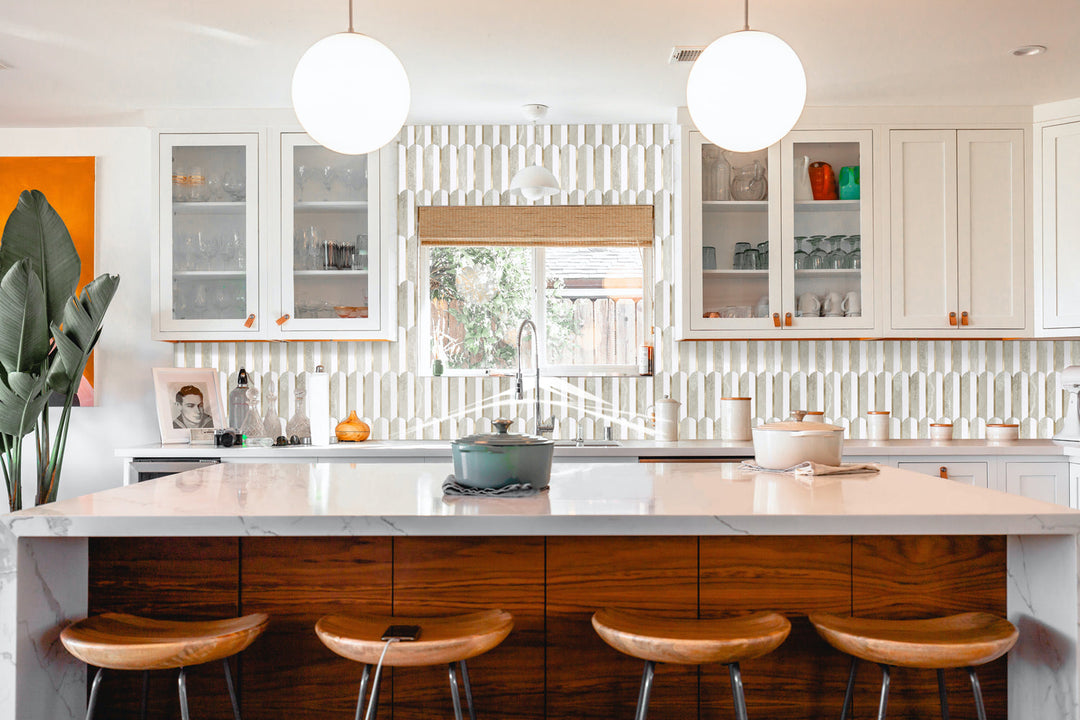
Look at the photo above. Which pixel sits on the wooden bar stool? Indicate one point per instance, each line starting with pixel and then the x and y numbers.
pixel 448 639
pixel 691 642
pixel 128 642
pixel 955 641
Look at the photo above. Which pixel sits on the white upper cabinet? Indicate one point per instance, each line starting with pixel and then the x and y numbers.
pixel 957 236
pixel 290 241
pixel 761 257
pixel 1059 236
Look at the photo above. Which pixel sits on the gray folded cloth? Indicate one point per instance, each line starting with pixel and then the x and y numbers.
pixel 813 468
pixel 451 486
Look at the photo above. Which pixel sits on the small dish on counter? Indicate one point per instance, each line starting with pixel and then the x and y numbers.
pixel 1002 432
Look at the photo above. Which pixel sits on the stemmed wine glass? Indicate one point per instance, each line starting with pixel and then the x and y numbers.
pixel 303 174
pixel 328 174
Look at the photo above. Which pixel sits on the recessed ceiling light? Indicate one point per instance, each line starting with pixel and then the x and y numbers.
pixel 1025 50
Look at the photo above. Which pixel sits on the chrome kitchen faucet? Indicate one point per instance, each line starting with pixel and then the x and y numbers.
pixel 541 427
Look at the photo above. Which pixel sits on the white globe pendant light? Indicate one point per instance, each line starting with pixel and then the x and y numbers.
pixel 746 90
pixel 350 92
pixel 535 182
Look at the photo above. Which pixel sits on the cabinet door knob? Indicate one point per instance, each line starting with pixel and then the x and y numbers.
pixel 787 319
pixel 283 319
pixel 250 320
pixel 964 318
pixel 776 319
pixel 943 472
pixel 952 319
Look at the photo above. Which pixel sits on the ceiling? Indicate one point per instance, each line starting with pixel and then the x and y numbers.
pixel 111 61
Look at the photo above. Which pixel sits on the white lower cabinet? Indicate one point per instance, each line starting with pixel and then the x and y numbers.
pixel 972 473
pixel 1046 481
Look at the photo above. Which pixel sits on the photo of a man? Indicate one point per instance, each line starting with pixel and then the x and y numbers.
pixel 190 410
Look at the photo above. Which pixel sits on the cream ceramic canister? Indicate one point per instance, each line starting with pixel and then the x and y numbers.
pixel 877 424
pixel 666 414
pixel 735 418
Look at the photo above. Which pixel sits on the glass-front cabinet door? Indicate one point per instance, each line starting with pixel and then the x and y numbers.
pixel 828 230
pixel 734 273
pixel 208 213
pixel 331 265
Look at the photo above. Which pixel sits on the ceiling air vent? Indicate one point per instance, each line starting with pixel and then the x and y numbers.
pixel 684 54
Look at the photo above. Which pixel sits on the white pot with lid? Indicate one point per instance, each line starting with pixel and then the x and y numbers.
pixel 782 445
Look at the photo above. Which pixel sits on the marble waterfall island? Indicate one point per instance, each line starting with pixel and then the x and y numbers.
pixel 681 538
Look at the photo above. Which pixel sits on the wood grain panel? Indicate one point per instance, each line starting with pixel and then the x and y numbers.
pixel 289 672
pixel 923 576
pixel 451 575
pixel 585 677
pixel 166 578
pixel 791 575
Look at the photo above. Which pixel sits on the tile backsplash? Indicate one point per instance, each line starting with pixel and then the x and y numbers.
pixel 969 382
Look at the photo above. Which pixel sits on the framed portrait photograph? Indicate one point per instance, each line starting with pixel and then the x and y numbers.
pixel 187 398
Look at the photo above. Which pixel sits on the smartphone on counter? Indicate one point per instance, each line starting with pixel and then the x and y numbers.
pixel 401 632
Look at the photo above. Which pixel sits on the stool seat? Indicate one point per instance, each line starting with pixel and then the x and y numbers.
pixel 954 641
pixel 445 639
pixel 128 642
pixel 691 641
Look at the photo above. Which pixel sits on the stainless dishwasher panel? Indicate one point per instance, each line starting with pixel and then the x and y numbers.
pixel 143 469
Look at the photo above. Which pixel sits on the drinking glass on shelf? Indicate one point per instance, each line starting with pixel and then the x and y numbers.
pixel 763 253
pixel 817 255
pixel 222 302
pixel 234 186
pixel 855 259
pixel 751 259
pixel 213 187
pixel 199 301
pixel 196 182
pixel 328 173
pixel 802 260
pixel 315 249
pixel 179 184
pixel 303 175
pixel 355 178
pixel 835 259
pixel 740 248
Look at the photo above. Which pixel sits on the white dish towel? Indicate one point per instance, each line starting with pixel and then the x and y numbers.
pixel 813 468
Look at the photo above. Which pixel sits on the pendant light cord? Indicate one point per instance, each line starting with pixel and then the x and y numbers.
pixel 350 15
pixel 746 15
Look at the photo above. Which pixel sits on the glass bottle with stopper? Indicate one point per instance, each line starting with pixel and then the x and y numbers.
pixel 271 422
pixel 252 427
pixel 238 400
pixel 298 426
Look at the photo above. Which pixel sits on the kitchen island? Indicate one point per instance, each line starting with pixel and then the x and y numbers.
pixel 297 540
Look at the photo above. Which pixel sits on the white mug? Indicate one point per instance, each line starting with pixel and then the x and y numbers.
pixel 852 305
pixel 833 303
pixel 809 305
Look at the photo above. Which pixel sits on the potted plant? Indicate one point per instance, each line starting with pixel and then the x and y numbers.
pixel 46 336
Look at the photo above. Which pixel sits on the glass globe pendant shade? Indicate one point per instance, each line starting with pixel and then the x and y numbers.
pixel 350 93
pixel 746 90
pixel 535 182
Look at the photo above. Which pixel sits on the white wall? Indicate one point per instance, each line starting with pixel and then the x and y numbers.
pixel 124 411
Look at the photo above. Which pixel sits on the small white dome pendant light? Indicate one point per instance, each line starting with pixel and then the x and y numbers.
pixel 535 181
pixel 746 90
pixel 350 92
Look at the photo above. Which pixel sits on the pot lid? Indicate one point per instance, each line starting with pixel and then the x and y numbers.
pixel 792 426
pixel 502 438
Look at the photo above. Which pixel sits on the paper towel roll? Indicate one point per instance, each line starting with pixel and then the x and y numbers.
pixel 318 406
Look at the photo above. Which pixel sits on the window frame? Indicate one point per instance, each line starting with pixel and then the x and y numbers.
pixel 539 317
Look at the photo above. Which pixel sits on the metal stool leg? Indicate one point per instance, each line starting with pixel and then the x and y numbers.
pixel 373 702
pixel 646 690
pixel 363 692
pixel 454 692
pixel 232 690
pixel 182 683
pixel 884 692
pixel 468 689
pixel 944 695
pixel 980 709
pixel 850 692
pixel 737 691
pixel 93 693
pixel 145 694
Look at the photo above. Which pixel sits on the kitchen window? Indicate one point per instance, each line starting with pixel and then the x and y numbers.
pixel 581 273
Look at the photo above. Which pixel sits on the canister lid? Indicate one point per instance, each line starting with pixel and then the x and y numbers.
pixel 502 438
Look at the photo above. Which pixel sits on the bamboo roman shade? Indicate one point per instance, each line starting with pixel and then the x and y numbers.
pixel 537 226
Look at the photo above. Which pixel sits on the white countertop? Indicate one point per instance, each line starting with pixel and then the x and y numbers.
pixel 626 448
pixel 238 499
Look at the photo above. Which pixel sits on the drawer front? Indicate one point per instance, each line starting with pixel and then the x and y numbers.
pixel 972 473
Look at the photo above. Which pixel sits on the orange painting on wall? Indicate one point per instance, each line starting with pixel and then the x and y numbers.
pixel 68 184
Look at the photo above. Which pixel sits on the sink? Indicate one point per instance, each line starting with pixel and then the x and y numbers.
pixel 588 443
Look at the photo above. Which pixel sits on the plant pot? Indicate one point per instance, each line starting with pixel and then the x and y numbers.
pixel 782 445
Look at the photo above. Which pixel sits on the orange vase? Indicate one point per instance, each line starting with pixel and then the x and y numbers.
pixel 822 181
pixel 352 429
